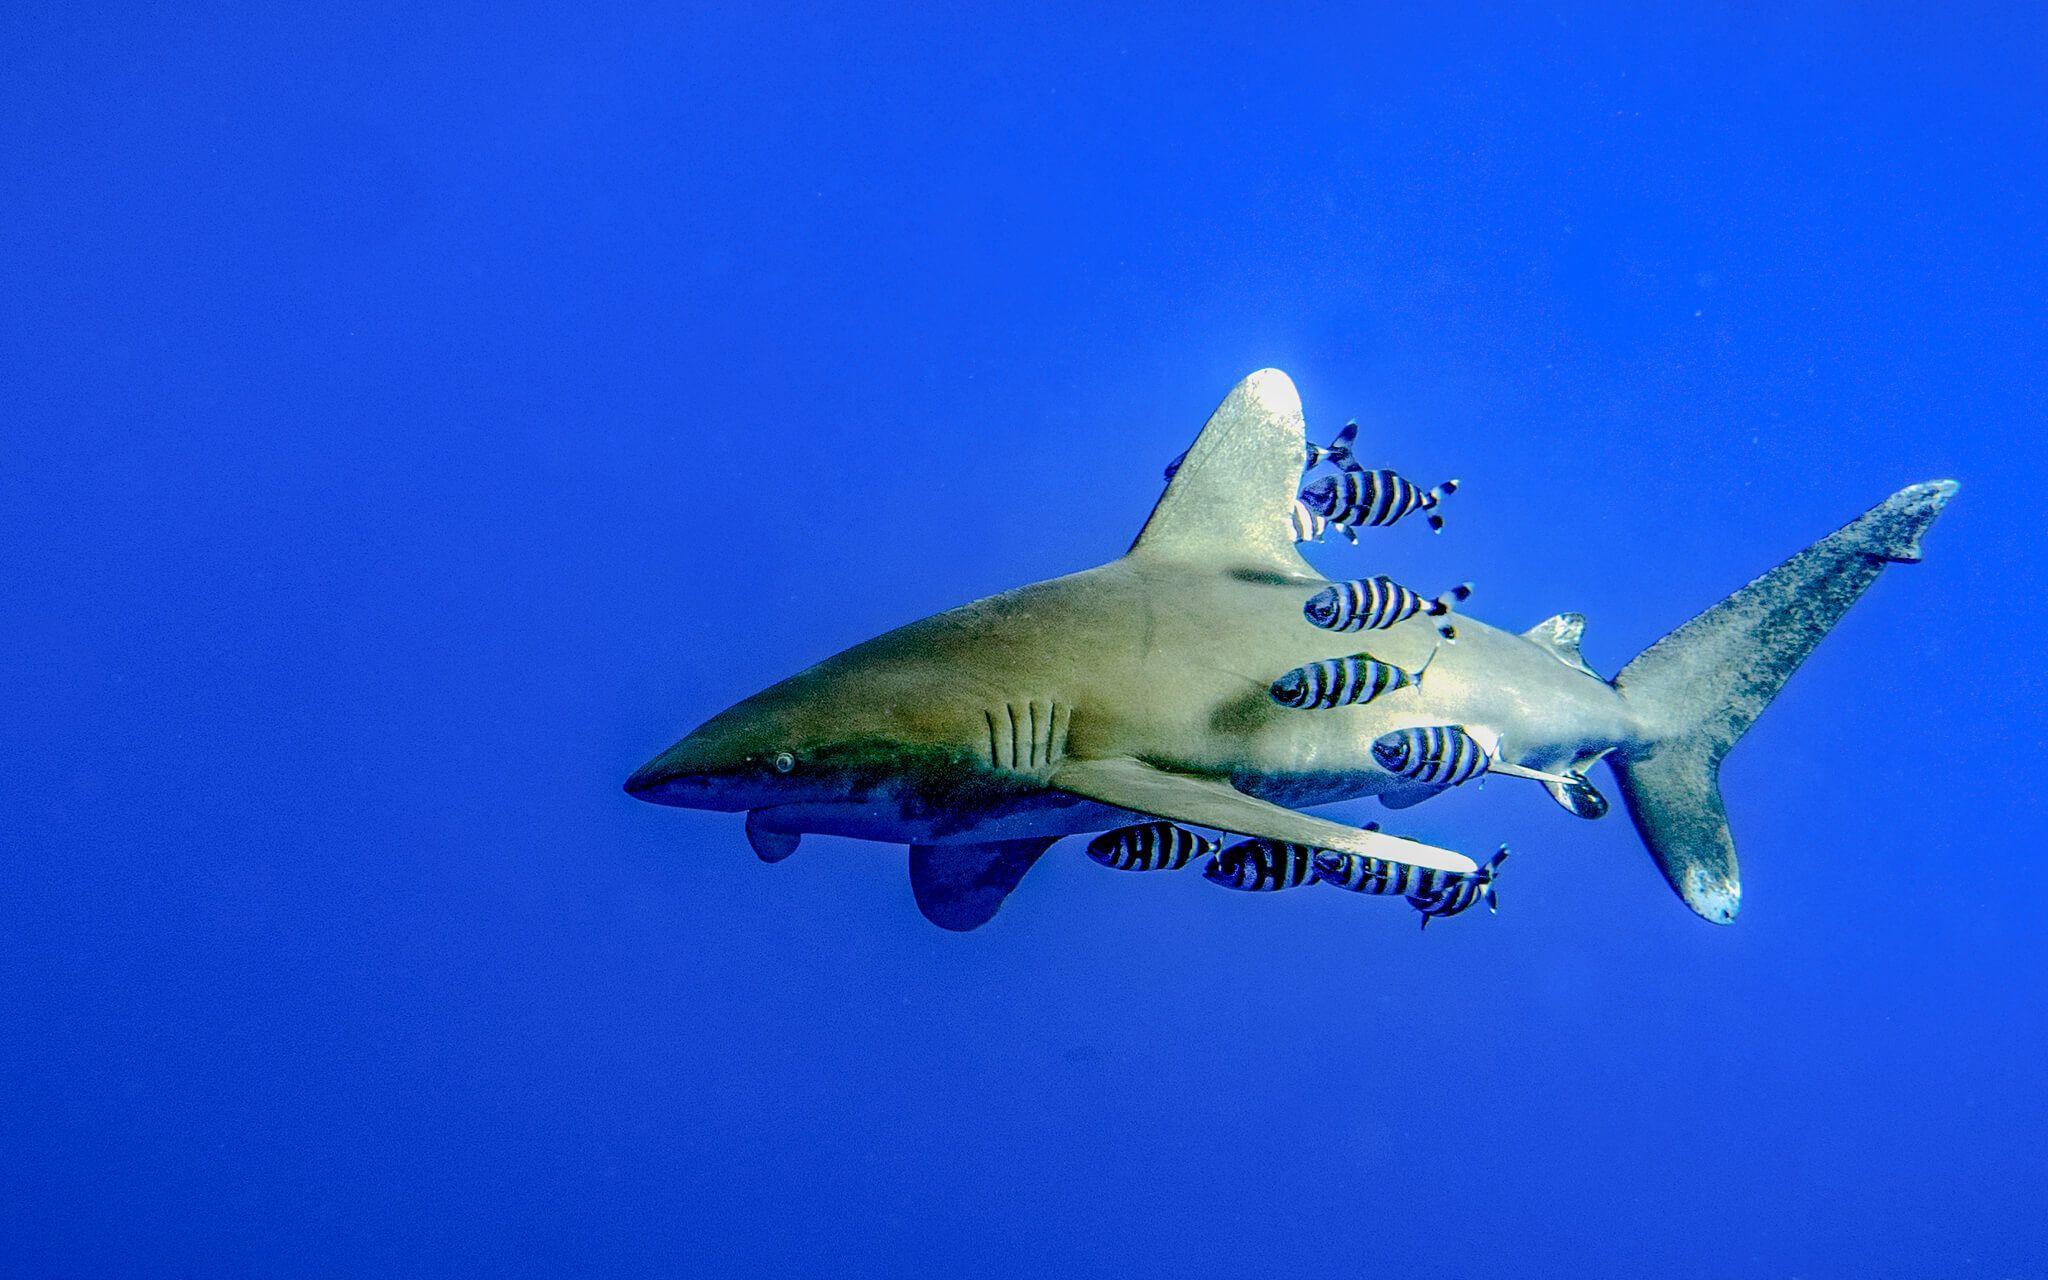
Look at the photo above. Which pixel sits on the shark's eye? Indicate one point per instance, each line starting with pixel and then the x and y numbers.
pixel 783 762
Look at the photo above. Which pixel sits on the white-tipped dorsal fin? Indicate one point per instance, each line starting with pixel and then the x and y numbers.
pixel 1232 500
pixel 1560 635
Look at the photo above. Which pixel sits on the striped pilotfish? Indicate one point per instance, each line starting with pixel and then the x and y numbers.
pixel 1150 846
pixel 1377 603
pixel 1344 682
pixel 1261 866
pixel 1462 892
pixel 1375 498
pixel 1361 874
pixel 1433 893
pixel 1438 755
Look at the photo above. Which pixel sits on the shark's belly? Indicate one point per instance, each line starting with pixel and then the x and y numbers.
pixel 1049 812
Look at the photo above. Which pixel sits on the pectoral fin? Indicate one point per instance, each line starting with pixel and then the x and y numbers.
pixel 769 845
pixel 1210 802
pixel 959 886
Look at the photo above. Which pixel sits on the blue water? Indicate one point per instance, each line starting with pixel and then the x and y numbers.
pixel 415 420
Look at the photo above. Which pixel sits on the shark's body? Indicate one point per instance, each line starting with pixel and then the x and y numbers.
pixel 1170 663
pixel 980 735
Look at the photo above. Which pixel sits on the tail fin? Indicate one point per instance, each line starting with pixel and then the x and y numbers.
pixel 1702 686
pixel 1432 500
pixel 1487 875
pixel 1340 450
pixel 1442 605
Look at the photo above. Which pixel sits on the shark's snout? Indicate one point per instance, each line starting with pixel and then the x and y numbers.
pixel 672 781
pixel 650 779
pixel 706 770
pixel 785 745
pixel 645 781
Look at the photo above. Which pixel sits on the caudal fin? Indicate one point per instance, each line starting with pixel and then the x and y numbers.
pixel 1340 451
pixel 1432 503
pixel 1442 606
pixel 1702 686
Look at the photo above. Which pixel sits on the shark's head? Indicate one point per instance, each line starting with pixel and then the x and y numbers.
pixel 839 734
pixel 744 758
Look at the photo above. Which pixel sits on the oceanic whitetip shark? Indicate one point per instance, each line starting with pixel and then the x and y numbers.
pixel 1140 689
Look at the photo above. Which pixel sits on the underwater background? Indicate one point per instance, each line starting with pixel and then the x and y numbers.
pixel 416 417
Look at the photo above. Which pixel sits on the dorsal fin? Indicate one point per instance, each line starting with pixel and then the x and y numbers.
pixel 1233 498
pixel 1561 635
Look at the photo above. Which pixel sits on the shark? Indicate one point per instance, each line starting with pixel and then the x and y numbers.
pixel 1140 690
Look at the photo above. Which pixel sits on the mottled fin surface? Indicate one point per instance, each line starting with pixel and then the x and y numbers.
pixel 1211 802
pixel 1232 499
pixel 960 886
pixel 1702 686
pixel 1560 637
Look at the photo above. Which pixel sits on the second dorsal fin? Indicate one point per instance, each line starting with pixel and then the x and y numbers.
pixel 1560 635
